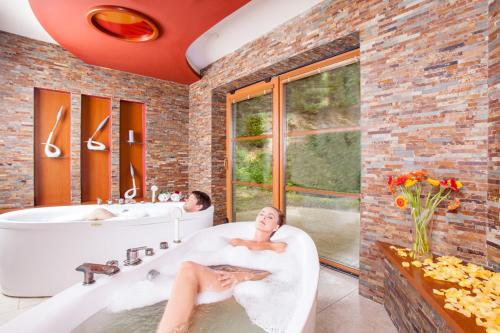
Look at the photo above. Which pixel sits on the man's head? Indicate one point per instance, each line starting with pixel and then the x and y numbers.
pixel 197 201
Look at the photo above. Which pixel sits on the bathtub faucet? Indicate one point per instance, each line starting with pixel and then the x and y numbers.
pixel 133 255
pixel 89 270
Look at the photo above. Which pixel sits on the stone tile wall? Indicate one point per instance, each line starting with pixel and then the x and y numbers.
pixel 493 235
pixel 26 64
pixel 424 74
pixel 408 310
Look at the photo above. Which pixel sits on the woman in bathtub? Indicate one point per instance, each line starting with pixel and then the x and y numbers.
pixel 193 278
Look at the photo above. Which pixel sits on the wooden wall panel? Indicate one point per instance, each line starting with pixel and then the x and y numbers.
pixel 95 165
pixel 132 117
pixel 52 175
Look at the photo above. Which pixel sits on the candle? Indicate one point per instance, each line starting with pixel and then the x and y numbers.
pixel 131 136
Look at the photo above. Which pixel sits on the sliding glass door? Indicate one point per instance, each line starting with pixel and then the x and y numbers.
pixel 251 180
pixel 296 144
pixel 321 141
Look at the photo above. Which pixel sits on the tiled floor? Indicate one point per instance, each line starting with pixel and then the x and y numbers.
pixel 339 309
pixel 11 307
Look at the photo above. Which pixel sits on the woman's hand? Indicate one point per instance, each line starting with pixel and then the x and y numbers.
pixel 237 242
pixel 279 247
pixel 225 279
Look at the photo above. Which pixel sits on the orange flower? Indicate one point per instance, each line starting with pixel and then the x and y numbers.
pixel 419 175
pixel 400 202
pixel 454 205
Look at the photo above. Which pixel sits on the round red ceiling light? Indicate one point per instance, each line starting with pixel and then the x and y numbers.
pixel 123 23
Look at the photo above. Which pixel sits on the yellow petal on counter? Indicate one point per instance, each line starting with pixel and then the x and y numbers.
pixel 437 292
pixel 479 322
pixel 449 306
pixel 405 264
pixel 416 263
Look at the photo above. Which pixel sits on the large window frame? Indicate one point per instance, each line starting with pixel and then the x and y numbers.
pixel 279 135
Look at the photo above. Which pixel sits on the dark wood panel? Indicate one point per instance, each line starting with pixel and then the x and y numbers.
pixel 52 175
pixel 95 165
pixel 132 118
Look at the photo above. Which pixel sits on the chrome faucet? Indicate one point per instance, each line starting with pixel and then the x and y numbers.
pixel 90 269
pixel 133 255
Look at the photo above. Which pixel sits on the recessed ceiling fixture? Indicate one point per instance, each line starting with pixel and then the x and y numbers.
pixel 123 23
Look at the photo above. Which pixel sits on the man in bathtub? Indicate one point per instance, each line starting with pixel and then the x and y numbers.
pixel 193 278
pixel 196 201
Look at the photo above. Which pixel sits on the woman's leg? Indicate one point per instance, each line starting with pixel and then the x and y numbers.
pixel 192 279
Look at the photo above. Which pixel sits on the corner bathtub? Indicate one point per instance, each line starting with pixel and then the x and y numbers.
pixel 68 309
pixel 41 247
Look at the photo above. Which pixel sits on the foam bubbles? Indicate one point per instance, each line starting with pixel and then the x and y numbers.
pixel 269 303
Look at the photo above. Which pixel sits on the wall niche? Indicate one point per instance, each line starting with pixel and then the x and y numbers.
pixel 52 152
pixel 96 124
pixel 132 140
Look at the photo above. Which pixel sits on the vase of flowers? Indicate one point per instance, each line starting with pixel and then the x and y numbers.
pixel 409 191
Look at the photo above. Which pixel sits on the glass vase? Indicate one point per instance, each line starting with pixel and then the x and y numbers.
pixel 421 234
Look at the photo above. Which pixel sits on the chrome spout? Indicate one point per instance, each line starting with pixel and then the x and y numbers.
pixel 90 269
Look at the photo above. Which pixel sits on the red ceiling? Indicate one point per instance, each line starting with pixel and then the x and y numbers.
pixel 180 23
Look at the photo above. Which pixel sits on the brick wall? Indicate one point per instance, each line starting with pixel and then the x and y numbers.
pixel 26 64
pixel 493 236
pixel 424 104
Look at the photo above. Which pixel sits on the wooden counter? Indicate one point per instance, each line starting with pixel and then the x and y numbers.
pixel 419 310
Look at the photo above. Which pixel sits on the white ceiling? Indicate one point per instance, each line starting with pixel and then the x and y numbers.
pixel 17 17
pixel 248 23
pixel 243 26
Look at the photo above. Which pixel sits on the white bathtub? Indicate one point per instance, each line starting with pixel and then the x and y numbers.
pixel 65 311
pixel 41 247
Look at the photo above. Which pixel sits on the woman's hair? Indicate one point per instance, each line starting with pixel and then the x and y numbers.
pixel 281 218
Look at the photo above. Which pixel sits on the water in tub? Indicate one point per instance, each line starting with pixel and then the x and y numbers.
pixel 251 306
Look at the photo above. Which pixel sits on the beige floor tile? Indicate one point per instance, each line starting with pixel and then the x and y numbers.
pixel 8 304
pixel 30 302
pixel 354 314
pixel 6 316
pixel 333 286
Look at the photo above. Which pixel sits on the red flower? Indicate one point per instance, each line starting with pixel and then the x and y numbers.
pixel 177 192
pixel 391 184
pixel 401 180
pixel 453 184
pixel 444 183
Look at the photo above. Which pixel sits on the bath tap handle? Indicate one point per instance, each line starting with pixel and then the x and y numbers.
pixel 133 256
pixel 90 269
